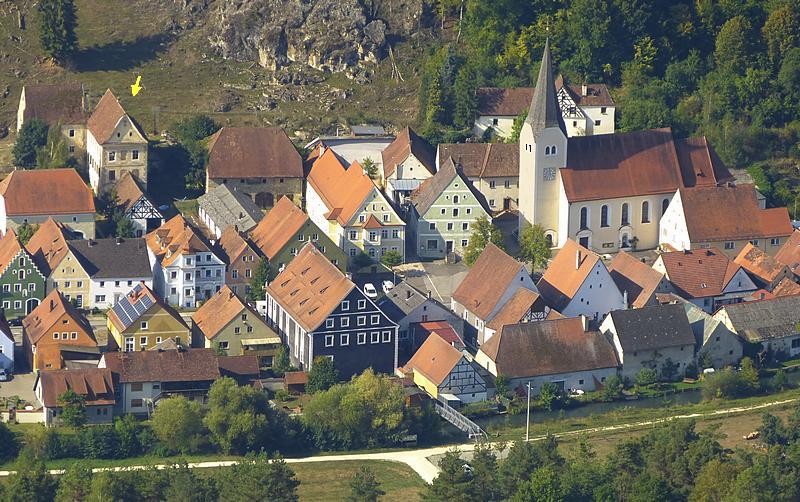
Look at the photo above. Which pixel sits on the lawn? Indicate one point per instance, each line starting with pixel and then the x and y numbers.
pixel 331 480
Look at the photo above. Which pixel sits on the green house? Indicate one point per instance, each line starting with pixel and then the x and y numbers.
pixel 22 284
pixel 283 232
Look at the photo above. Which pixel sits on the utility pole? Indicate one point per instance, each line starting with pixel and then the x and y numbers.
pixel 528 416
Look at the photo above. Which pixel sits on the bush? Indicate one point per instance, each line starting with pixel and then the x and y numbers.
pixel 726 384
pixel 646 376
pixel 362 260
pixel 99 441
pixel 282 395
pixel 392 258
pixel 612 389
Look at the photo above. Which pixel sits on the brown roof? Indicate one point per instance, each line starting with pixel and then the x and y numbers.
pixel 9 247
pixel 548 348
pixel 231 244
pixel 699 273
pixel 40 321
pixel 46 192
pixel 639 280
pixel 789 253
pixel 730 213
pixel 238 366
pixel 408 143
pixel 174 238
pixel 486 281
pixel 341 189
pixel 700 165
pixel 279 225
pixel 48 246
pixel 515 309
pixel 253 152
pixel 295 377
pixel 94 384
pixel 596 94
pixel 786 287
pixel 562 278
pixel 443 329
pixel 106 116
pixel 483 160
pixel 219 310
pixel 55 103
pixel 191 365
pixel 128 191
pixel 617 165
pixel 435 359
pixel 760 264
pixel 136 303
pixel 503 101
pixel 310 288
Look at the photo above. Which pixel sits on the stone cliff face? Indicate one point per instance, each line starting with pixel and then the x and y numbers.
pixel 329 35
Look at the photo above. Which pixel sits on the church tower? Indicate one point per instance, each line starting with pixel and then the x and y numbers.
pixel 542 153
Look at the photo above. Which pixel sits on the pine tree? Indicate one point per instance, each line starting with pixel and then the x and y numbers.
pixel 260 277
pixel 435 109
pixel 58 19
pixel 30 139
pixel 466 103
pixel 364 487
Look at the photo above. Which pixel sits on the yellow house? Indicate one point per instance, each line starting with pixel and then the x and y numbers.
pixel 228 324
pixel 140 320
pixel 58 262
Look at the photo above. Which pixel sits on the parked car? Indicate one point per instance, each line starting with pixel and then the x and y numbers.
pixel 387 286
pixel 4 375
pixel 370 291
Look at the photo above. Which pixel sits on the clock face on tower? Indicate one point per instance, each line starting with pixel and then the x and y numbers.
pixel 549 173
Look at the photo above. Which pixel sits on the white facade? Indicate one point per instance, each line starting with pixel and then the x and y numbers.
pixel 6 352
pixel 597 295
pixel 189 279
pixel 739 286
pixel 126 150
pixel 104 293
pixel 502 125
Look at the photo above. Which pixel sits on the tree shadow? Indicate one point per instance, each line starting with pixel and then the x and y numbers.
pixel 119 55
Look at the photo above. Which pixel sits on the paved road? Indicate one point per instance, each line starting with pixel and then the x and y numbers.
pixel 424 461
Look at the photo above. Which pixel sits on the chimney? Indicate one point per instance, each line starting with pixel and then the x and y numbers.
pixel 577 259
pixel 584 90
pixel 409 294
pixel 91 243
pixel 625 298
pixel 119 241
pixel 52 305
pixel 585 323
pixel 429 294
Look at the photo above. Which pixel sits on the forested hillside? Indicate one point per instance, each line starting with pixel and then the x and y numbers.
pixel 727 69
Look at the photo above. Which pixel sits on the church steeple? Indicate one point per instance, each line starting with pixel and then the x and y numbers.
pixel 544 111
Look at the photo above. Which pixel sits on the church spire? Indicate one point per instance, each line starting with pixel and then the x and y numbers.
pixel 544 111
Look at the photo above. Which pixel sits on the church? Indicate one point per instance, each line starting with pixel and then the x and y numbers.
pixel 607 192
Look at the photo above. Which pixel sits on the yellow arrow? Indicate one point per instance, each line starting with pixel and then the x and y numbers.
pixel 135 88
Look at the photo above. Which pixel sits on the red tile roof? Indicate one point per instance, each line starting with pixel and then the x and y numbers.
pixel 220 310
pixel 191 365
pixel 565 274
pixel 786 287
pixel 405 144
pixel 279 225
pixel 789 253
pixel 443 329
pixel 253 152
pixel 46 192
pixel 342 189
pixel 174 238
pixel 760 264
pixel 106 116
pixel 503 101
pixel 435 359
pixel 636 278
pixel 483 160
pixel 95 385
pixel 515 309
pixel 40 321
pixel 62 103
pixel 48 246
pixel 700 165
pixel 699 273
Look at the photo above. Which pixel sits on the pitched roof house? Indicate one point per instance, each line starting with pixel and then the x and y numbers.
pixel 410 158
pixel 52 329
pixel 345 203
pixel 140 320
pixel 22 284
pixel 60 194
pixel 116 144
pixel 259 161
pixel 284 230
pixel 241 257
pixel 136 206
pixel 52 103
pixel 563 352
pixel 789 253
pixel 714 343
pixel 636 280
pixel 493 168
pixel 577 282
pixel 705 277
pixel 230 324
pixel 224 206
pixel 773 323
pixel 657 337
pixel 94 385
pixel 318 311
pixel 765 270
pixel 443 210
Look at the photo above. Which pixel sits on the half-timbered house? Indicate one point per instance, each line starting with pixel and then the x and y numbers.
pixel 136 206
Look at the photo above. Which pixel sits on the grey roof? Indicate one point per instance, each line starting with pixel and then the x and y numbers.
pixel 427 193
pixel 228 207
pixel 368 130
pixel 704 326
pixel 544 111
pixel 401 301
pixel 404 185
pixel 765 319
pixel 652 327
pixel 113 258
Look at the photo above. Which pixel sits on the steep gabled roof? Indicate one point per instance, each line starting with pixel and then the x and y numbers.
pixel 700 164
pixel 501 101
pixel 402 300
pixel 48 246
pixel 342 189
pixel 9 247
pixel 310 288
pixel 515 309
pixel 128 191
pixel 220 310
pixel 429 191
pixel 786 287
pixel 131 307
pixel 634 277
pixel 654 327
pixel 191 365
pixel 231 244
pixel 230 207
pixel 435 359
pixel 55 103
pixel 596 94
pixel 565 274
pixel 760 264
pixel 46 192
pixel 548 348
pixel 408 143
pixel 487 280
pixel 544 111
pixel 106 116
pixel 40 321
pixel 175 237
pixel 699 273
pixel 483 160
pixel 95 385
pixel 789 253
pixel 279 226
pixel 253 152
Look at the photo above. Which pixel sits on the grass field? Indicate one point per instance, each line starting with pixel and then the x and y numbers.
pixel 325 481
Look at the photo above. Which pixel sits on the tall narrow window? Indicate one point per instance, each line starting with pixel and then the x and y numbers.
pixel 455 199
pixel 604 216
pixel 645 212
pixel 624 219
pixel 664 206
pixel 549 239
pixel 584 217
pixel 553 150
pixel 547 150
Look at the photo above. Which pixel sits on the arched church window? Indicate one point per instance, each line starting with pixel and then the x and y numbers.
pixel 624 219
pixel 604 216
pixel 547 150
pixel 553 150
pixel 664 206
pixel 584 217
pixel 549 240
pixel 645 212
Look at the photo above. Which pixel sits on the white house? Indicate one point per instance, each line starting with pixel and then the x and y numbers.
pixel 136 206
pixel 713 340
pixel 577 282
pixel 772 323
pixel 406 163
pixel 185 269
pixel 6 345
pixel 94 385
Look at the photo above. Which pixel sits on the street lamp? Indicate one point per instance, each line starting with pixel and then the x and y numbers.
pixel 528 416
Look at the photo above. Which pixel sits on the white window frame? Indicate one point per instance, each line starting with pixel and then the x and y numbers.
pixel 362 338
pixel 344 339
pixel 375 337
pixel 329 340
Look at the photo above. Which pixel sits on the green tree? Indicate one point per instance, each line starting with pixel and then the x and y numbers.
pixel 772 430
pixel 258 478
pixel 392 258
pixel 548 394
pixel 9 442
pixel 281 363
pixel 186 486
pixel 362 260
pixel 322 376
pixel 612 388
pixel 75 484
pixel 57 22
pixel 370 167
pixel 533 246
pixel 714 481
pixel 484 474
pixel 32 482
pixel 522 460
pixel 544 486
pixel 466 102
pixel 779 380
pixel 123 226
pixel 364 487
pixel 178 424
pixel 25 232
pixel 483 232
pixel 55 152
pixel 749 375
pixel 195 128
pixel 73 409
pixel 782 30
pixel 260 278
pixel 453 483
pixel 516 128
pixel 733 50
pixel 434 113
pixel 30 139
pixel 646 376
pixel 240 418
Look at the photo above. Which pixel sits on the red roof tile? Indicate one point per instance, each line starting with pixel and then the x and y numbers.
pixel 253 152
pixel 46 192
